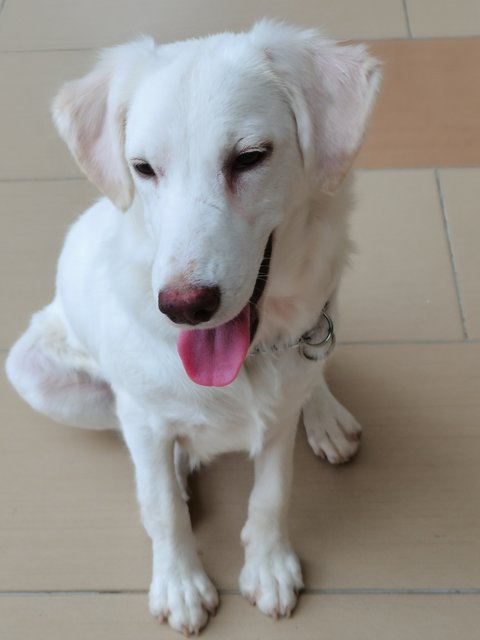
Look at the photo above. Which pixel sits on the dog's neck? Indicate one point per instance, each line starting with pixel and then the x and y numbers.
pixel 315 344
pixel 307 264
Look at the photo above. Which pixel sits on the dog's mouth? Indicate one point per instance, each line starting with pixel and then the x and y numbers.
pixel 214 357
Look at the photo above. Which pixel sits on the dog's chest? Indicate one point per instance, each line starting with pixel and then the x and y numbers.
pixel 210 421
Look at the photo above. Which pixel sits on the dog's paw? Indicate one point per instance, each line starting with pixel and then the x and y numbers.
pixel 332 432
pixel 272 580
pixel 184 598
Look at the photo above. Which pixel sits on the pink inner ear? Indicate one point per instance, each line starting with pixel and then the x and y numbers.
pixel 108 162
pixel 90 116
pixel 333 91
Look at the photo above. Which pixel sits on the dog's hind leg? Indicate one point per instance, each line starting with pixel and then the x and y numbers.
pixel 332 432
pixel 56 378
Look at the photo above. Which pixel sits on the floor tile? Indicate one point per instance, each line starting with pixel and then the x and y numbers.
pixel 29 83
pixel 400 284
pixel 427 113
pixel 68 510
pixel 429 18
pixel 403 515
pixel 421 444
pixel 461 188
pixel 35 217
pixel 358 617
pixel 28 24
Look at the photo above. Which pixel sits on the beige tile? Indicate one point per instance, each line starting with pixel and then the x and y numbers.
pixel 35 217
pixel 28 24
pixel 404 515
pixel 68 511
pixel 430 18
pixel 427 113
pixel 400 285
pixel 461 188
pixel 29 82
pixel 350 617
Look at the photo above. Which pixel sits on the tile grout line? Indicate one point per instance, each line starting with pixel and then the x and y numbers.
pixel 395 591
pixel 407 18
pixel 352 591
pixel 403 343
pixel 365 40
pixel 418 167
pixel 453 263
pixel 460 591
pixel 73 592
pixel 356 170
pixel 49 179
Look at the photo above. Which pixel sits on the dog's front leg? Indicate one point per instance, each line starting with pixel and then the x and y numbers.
pixel 180 589
pixel 271 576
pixel 332 432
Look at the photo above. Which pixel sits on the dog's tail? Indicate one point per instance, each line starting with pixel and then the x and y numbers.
pixel 58 379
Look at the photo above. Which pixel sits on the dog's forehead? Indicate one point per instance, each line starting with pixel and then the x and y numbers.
pixel 207 91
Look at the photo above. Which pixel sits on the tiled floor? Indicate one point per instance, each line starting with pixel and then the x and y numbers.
pixel 390 544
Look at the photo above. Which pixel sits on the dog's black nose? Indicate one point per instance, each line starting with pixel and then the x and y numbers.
pixel 189 305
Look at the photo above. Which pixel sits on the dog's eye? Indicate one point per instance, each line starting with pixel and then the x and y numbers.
pixel 249 159
pixel 144 169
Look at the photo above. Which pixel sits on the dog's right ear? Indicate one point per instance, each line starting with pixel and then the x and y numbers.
pixel 331 89
pixel 90 116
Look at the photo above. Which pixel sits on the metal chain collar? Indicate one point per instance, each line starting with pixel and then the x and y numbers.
pixel 311 345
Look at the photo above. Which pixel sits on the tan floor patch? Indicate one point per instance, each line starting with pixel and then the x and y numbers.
pixel 427 114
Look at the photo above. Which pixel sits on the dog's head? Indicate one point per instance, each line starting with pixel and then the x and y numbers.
pixel 217 140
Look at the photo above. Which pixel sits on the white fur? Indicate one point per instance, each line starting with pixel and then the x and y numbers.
pixel 102 351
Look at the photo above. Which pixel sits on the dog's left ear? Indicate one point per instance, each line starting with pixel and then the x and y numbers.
pixel 332 92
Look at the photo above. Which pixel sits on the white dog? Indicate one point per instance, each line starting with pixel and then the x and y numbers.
pixel 194 302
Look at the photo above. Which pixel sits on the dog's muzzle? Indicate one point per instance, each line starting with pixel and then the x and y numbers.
pixel 213 357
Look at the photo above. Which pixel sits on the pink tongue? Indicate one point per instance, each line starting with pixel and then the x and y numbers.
pixel 213 357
